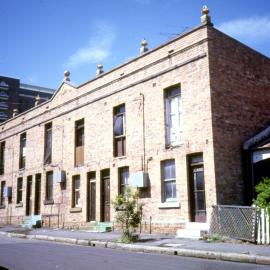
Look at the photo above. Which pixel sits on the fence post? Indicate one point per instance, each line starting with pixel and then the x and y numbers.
pixel 267 226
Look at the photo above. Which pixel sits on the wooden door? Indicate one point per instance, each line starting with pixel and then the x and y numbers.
pixel 37 194
pixel 29 196
pixel 92 201
pixel 105 196
pixel 197 189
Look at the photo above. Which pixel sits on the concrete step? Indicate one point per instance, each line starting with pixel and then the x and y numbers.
pixel 30 221
pixel 193 230
pixel 100 227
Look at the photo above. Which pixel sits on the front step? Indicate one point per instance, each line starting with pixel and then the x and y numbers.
pixel 30 221
pixel 193 230
pixel 99 227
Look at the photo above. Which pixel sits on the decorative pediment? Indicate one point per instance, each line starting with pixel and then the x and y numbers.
pixel 65 92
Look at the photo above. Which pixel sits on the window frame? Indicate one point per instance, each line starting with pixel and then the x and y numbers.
pixel 2 157
pixel 19 191
pixel 122 137
pixel 169 96
pixel 125 183
pixel 23 149
pixel 76 192
pixel 2 193
pixel 49 187
pixel 79 132
pixel 47 158
pixel 165 181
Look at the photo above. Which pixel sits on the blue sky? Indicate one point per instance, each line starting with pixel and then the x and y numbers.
pixel 42 38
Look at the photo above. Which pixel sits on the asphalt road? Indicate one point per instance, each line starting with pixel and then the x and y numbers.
pixel 18 254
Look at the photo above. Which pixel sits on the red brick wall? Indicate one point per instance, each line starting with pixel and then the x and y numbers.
pixel 240 91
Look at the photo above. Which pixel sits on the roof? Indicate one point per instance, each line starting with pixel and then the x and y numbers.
pixel 37 88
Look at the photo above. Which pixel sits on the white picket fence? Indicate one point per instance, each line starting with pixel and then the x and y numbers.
pixel 263 227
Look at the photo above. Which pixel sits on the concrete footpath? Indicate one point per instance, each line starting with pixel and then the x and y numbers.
pixel 151 243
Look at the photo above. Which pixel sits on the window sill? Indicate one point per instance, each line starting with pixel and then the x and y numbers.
pixel 2 206
pixel 75 210
pixel 171 147
pixel 166 205
pixel 19 205
pixel 48 202
pixel 121 157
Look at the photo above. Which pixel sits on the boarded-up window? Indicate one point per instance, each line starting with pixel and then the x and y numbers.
pixel 2 197
pixel 123 179
pixel 22 151
pixel 173 106
pixel 76 202
pixel 79 142
pixel 49 186
pixel 119 130
pixel 2 157
pixel 168 180
pixel 48 143
pixel 19 190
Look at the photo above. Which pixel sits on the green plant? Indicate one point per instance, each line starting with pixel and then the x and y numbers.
pixel 128 213
pixel 263 193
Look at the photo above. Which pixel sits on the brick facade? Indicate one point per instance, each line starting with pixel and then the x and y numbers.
pixel 217 86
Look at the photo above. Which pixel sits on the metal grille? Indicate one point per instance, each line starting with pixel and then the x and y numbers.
pixel 237 222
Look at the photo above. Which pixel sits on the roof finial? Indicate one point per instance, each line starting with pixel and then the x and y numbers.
pixel 37 100
pixel 66 76
pixel 99 69
pixel 206 18
pixel 15 112
pixel 143 48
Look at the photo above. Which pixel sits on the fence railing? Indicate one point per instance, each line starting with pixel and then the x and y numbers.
pixel 241 222
pixel 238 222
pixel 263 227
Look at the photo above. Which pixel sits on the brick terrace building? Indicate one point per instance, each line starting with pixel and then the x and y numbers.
pixel 171 121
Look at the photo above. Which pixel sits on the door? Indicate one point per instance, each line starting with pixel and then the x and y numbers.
pixel 197 189
pixel 37 194
pixel 92 201
pixel 105 195
pixel 29 196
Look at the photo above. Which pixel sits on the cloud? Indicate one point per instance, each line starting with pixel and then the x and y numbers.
pixel 251 30
pixel 97 49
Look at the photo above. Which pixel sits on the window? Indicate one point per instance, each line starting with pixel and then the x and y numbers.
pixel 76 202
pixel 123 179
pixel 168 180
pixel 49 187
pixel 19 190
pixel 22 151
pixel 79 142
pixel 119 132
pixel 2 197
pixel 48 143
pixel 173 116
pixel 2 157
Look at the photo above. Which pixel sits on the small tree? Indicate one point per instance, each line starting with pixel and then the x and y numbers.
pixel 129 213
pixel 263 190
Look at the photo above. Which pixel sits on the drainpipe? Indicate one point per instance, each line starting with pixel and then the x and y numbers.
pixel 143 118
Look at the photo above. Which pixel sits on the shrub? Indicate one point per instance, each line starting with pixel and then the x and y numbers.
pixel 263 196
pixel 128 213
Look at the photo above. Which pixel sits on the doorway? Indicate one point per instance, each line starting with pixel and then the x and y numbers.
pixel 105 196
pixel 37 194
pixel 196 188
pixel 91 197
pixel 29 196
